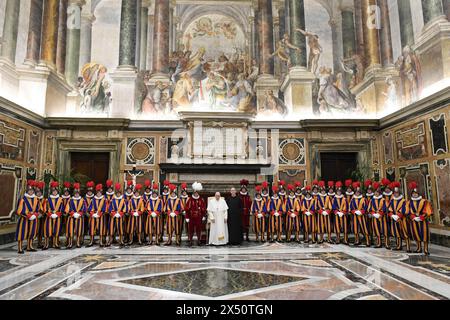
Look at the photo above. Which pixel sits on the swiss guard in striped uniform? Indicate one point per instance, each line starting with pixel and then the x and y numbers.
pixel 109 194
pixel 136 208
pixel 258 211
pixel 53 217
pixel 154 209
pixel 292 215
pixel 246 206
pixel 88 198
pixel 28 211
pixel 173 208
pixel 65 199
pixel 276 209
pixel 164 197
pixel 117 209
pixel 308 210
pixel 419 212
pixel 358 209
pixel 323 216
pixel 298 191
pixel 97 213
pixel 265 195
pixel 42 211
pixel 399 223
pixel 146 198
pixel 368 184
pixel 126 218
pixel 76 209
pixel 340 208
pixel 377 209
pixel 184 197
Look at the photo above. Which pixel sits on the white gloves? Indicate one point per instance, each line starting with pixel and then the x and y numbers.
pixel 417 219
pixel 376 215
pixel 76 215
pixel 173 214
pixel 153 214
pixel 308 213
pixel 358 213
pixel 395 217
pixel 33 217
pixel 260 215
pixel 117 215
pixel 204 219
pixel 292 215
pixel 277 214
pixel 324 213
pixel 135 214
pixel 54 216
pixel 187 220
pixel 340 214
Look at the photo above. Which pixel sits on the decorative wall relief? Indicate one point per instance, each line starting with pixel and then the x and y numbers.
pixel 49 150
pixel 411 142
pixel 442 174
pixel 438 135
pixel 375 153
pixel 34 142
pixel 419 173
pixel 95 89
pixel 292 151
pixel 12 141
pixel 291 176
pixel 176 149
pixel 140 151
pixel 390 174
pixel 388 148
pixel 10 178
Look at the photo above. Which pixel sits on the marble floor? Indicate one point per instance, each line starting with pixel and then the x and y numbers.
pixel 253 271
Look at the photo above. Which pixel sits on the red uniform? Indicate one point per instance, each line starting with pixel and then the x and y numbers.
pixel 195 213
pixel 246 206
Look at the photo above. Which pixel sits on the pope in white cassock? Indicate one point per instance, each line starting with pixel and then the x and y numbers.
pixel 217 218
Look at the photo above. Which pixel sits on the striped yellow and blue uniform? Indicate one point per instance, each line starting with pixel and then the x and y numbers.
pixel 379 226
pixel 118 205
pixel 359 222
pixel 97 225
pixel 27 229
pixel 340 204
pixel 309 222
pixel 75 226
pixel 419 229
pixel 401 227
pixel 259 224
pixel 276 205
pixel 136 224
pixel 154 205
pixel 323 203
pixel 53 227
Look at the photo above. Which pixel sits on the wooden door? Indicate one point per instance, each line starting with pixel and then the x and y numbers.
pixel 94 165
pixel 337 166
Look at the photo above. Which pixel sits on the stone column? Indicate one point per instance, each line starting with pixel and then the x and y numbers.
pixel 336 35
pixel 406 24
pixel 348 34
pixel 432 10
pixel 359 33
pixel 254 38
pixel 282 20
pixel 73 41
pixel 62 35
pixel 150 42
pixel 10 30
pixel 387 55
pixel 297 21
pixel 127 46
pixel 265 26
pixel 446 4
pixel 161 38
pixel 144 35
pixel 297 86
pixel 50 32
pixel 87 19
pixel 34 32
pixel 371 37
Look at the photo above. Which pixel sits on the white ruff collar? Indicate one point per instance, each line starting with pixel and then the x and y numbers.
pixel 275 198
pixel 387 193
pixel 265 195
pixel 323 194
pixel 110 193
pixel 370 194
pixel 339 196
pixel 243 193
pixel 153 196
pixel 31 197
pixel 357 197
pixel 40 198
pixel 90 196
pixel 54 197
pixel 118 198
pixel 378 198
pixel 308 197
pixel 184 197
pixel 258 199
pixel 134 197
pixel 315 193
pixel 195 197
pixel 148 193
pixel 173 197
pixel 416 199
pixel 331 194
pixel 76 198
pixel 298 194
pixel 400 197
pixel 281 193
pixel 129 194
pixel 165 193
pixel 65 197
pixel 99 198
pixel 349 193
pixel 291 197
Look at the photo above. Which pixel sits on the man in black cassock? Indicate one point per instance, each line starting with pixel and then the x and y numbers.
pixel 234 218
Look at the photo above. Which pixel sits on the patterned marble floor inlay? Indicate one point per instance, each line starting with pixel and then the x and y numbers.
pixel 253 271
pixel 213 282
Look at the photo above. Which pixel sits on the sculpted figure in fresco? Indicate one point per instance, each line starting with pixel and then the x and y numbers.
pixel 315 49
pixel 410 75
pixel 392 102
pixel 273 105
pixel 354 66
pixel 94 88
pixel 283 50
